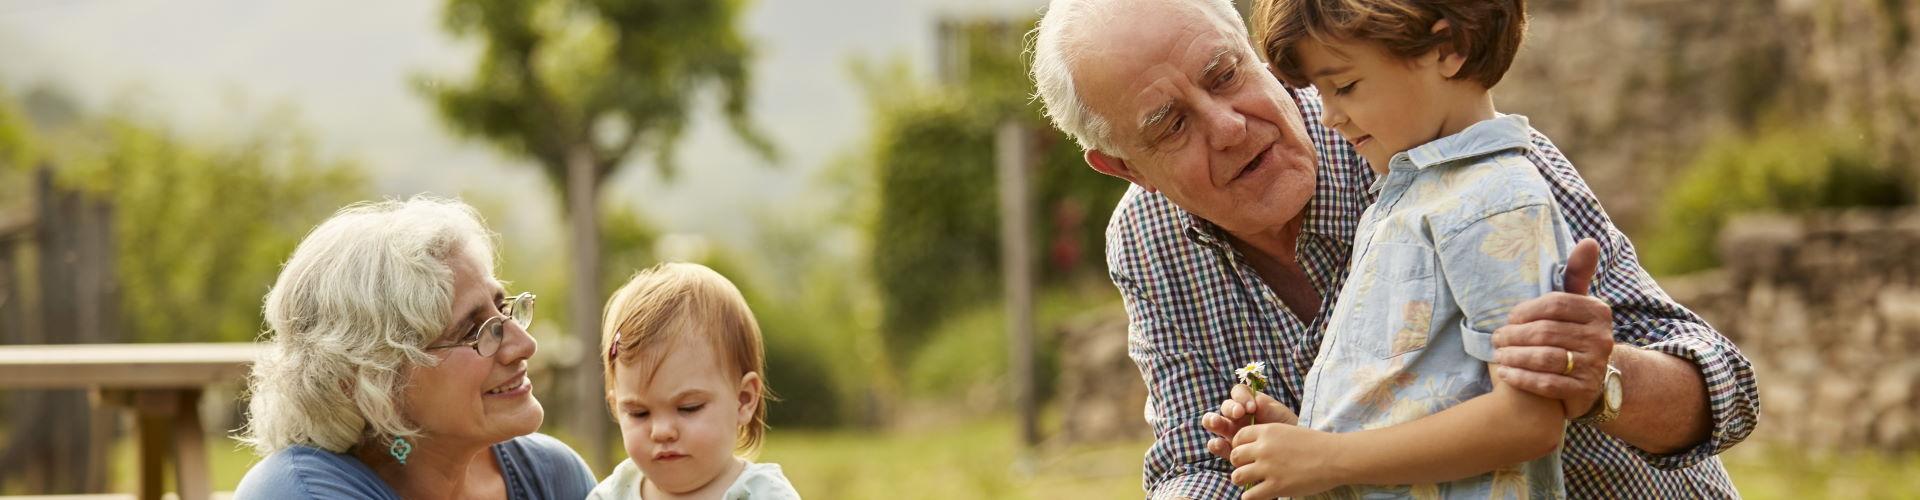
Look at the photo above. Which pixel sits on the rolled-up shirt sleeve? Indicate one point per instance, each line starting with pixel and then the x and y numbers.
pixel 1496 262
pixel 1645 316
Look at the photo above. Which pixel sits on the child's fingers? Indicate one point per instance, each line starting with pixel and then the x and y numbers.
pixel 1241 393
pixel 1262 491
pixel 1249 476
pixel 1270 410
pixel 1220 448
pixel 1232 410
pixel 1216 424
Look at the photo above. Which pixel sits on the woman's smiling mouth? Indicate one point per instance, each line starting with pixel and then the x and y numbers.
pixel 518 386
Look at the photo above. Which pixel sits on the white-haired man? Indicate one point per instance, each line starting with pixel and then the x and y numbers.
pixel 1234 240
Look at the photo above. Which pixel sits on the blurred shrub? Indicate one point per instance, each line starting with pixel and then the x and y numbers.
pixel 15 144
pixel 201 227
pixel 1780 169
pixel 799 370
pixel 934 229
pixel 935 235
pixel 967 355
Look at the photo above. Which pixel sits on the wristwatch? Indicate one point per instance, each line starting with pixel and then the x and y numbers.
pixel 1608 407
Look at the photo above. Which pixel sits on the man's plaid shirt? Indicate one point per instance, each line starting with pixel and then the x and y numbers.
pixel 1197 310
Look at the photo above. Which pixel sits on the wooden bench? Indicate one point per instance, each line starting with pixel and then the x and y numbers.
pixel 160 383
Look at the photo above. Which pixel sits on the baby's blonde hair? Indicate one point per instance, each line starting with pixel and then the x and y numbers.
pixel 677 301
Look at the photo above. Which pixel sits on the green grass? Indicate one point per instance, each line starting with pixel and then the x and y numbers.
pixel 1765 471
pixel 227 461
pixel 979 459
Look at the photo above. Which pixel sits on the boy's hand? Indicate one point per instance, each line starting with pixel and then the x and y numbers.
pixel 1532 349
pixel 1276 460
pixel 1233 416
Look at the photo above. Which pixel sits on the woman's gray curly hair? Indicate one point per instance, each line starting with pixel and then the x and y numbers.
pixel 354 307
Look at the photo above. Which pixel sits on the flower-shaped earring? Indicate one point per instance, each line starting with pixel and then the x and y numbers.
pixel 400 449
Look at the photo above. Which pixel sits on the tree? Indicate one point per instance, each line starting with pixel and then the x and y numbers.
pixel 578 86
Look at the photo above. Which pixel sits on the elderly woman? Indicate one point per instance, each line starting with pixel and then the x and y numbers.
pixel 397 368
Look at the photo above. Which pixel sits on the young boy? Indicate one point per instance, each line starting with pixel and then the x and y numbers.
pixel 1463 229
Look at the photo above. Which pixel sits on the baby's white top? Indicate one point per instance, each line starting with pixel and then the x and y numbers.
pixel 756 482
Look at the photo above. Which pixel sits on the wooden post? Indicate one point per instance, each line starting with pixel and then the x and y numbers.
pixel 13 325
pixel 98 295
pixel 191 474
pixel 61 429
pixel 57 437
pixel 1014 158
pixel 154 418
pixel 583 205
pixel 12 322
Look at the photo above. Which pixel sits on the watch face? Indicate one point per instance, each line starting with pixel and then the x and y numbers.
pixel 1613 391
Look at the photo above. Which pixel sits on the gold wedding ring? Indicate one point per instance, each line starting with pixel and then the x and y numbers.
pixel 1569 370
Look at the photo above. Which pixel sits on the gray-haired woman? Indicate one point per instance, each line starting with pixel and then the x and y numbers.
pixel 397 368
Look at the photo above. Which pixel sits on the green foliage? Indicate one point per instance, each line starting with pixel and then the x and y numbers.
pixel 969 352
pixel 15 140
pixel 935 235
pixel 601 78
pixel 813 292
pixel 934 229
pixel 626 247
pixel 201 230
pixel 810 393
pixel 1780 169
pixel 16 153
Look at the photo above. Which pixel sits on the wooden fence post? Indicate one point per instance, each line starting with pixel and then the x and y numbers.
pixel 1015 158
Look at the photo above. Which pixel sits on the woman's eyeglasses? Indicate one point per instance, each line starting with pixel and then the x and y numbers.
pixel 485 339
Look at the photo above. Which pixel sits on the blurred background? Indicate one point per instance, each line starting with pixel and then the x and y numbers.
pixel 840 161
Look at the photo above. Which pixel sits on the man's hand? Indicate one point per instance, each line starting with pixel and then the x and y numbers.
pixel 1532 349
pixel 1233 416
pixel 1281 459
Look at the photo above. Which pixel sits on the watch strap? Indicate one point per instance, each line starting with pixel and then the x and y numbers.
pixel 1603 412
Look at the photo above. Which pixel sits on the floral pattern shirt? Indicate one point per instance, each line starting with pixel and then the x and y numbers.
pixel 1464 229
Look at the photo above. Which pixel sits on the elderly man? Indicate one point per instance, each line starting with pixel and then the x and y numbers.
pixel 1234 239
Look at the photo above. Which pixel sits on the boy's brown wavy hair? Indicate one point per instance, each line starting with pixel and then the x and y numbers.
pixel 1486 32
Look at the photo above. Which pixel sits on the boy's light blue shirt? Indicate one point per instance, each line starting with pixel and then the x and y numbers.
pixel 1464 229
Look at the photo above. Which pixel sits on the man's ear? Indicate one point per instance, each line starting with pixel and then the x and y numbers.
pixel 749 395
pixel 1450 59
pixel 1114 166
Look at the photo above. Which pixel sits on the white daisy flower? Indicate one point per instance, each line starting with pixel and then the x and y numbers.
pixel 1254 375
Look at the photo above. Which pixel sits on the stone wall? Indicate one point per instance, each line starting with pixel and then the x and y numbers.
pixel 1100 388
pixel 1631 89
pixel 1827 306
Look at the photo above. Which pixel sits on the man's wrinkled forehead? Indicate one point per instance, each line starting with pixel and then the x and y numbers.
pixel 1145 43
pixel 1197 15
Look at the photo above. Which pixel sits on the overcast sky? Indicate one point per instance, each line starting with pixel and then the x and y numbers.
pixel 344 68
